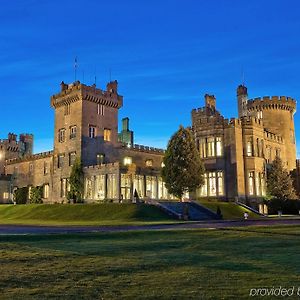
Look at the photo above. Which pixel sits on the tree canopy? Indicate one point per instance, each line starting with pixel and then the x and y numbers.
pixel 183 169
pixel 279 182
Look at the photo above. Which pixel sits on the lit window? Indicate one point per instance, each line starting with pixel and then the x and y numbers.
pixel 257 184
pixel 162 164
pixel 220 184
pixel 263 184
pixel 100 158
pixel 219 146
pixel 46 191
pixel 72 157
pixel 127 160
pixel 202 147
pixel 249 148
pixel 73 130
pixel 212 184
pixel 149 163
pixel 251 183
pixel 210 146
pixel 100 109
pixel 60 161
pixel 92 132
pixel 61 135
pixel 5 195
pixel 203 189
pixel 107 135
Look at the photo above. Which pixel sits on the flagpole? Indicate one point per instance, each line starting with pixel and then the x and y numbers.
pixel 75 68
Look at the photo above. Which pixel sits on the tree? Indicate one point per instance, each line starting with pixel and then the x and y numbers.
pixel 76 182
pixel 36 194
pixel 21 195
pixel 183 169
pixel 279 182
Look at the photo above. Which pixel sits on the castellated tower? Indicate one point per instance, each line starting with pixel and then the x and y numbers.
pixel 277 114
pixel 242 97
pixel 86 122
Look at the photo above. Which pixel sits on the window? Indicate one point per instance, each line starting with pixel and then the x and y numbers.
pixel 100 158
pixel 63 187
pixel 203 190
pixel 162 164
pixel 107 135
pixel 5 195
pixel 46 168
pixel 67 109
pixel 278 152
pixel 92 131
pixel 210 146
pixel 73 130
pixel 251 183
pixel 219 146
pixel 220 184
pixel 257 184
pixel 61 135
pixel 100 109
pixel 30 168
pixel 212 191
pixel 46 191
pixel 202 147
pixel 127 160
pixel 249 148
pixel 72 157
pixel 60 161
pixel 263 184
pixel 149 163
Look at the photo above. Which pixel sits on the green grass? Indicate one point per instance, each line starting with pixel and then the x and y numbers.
pixel 230 210
pixel 177 264
pixel 90 214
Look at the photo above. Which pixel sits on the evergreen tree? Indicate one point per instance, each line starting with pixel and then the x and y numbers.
pixel 279 182
pixel 183 169
pixel 76 182
pixel 36 194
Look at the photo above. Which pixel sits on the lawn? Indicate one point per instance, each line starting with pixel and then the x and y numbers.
pixel 82 214
pixel 174 264
pixel 230 210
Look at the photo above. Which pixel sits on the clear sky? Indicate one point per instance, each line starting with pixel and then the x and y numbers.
pixel 165 55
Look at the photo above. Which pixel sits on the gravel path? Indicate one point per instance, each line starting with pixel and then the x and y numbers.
pixel 33 229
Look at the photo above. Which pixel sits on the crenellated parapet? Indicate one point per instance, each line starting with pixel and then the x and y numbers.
pixel 143 148
pixel 273 102
pixel 270 136
pixel 252 121
pixel 78 91
pixel 29 157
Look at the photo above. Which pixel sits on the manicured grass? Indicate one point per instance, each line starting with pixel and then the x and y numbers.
pixel 79 214
pixel 186 264
pixel 230 210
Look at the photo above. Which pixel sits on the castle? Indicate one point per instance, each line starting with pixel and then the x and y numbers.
pixel 236 152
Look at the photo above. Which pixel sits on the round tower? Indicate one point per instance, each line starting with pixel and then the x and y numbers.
pixel 242 97
pixel 277 113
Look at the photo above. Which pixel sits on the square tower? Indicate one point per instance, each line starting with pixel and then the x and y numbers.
pixel 86 122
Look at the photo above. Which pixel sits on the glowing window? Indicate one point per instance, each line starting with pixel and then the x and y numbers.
pixel 219 146
pixel 220 184
pixel 251 183
pixel 210 146
pixel 107 135
pixel 127 160
pixel 149 163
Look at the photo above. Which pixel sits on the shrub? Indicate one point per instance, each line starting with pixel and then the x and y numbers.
pixel 21 195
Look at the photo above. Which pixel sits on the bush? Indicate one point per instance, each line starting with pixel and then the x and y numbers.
pixel 21 195
pixel 36 194
pixel 290 207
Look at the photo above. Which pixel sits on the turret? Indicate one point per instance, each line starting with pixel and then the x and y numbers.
pixel 242 98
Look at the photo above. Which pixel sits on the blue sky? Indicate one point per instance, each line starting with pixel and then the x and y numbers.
pixel 165 55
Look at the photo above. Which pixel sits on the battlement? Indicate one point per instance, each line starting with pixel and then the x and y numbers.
pixel 273 102
pixel 143 148
pixel 78 91
pixel 273 137
pixel 253 121
pixel 29 157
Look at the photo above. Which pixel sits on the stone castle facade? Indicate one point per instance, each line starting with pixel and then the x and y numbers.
pixel 236 152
